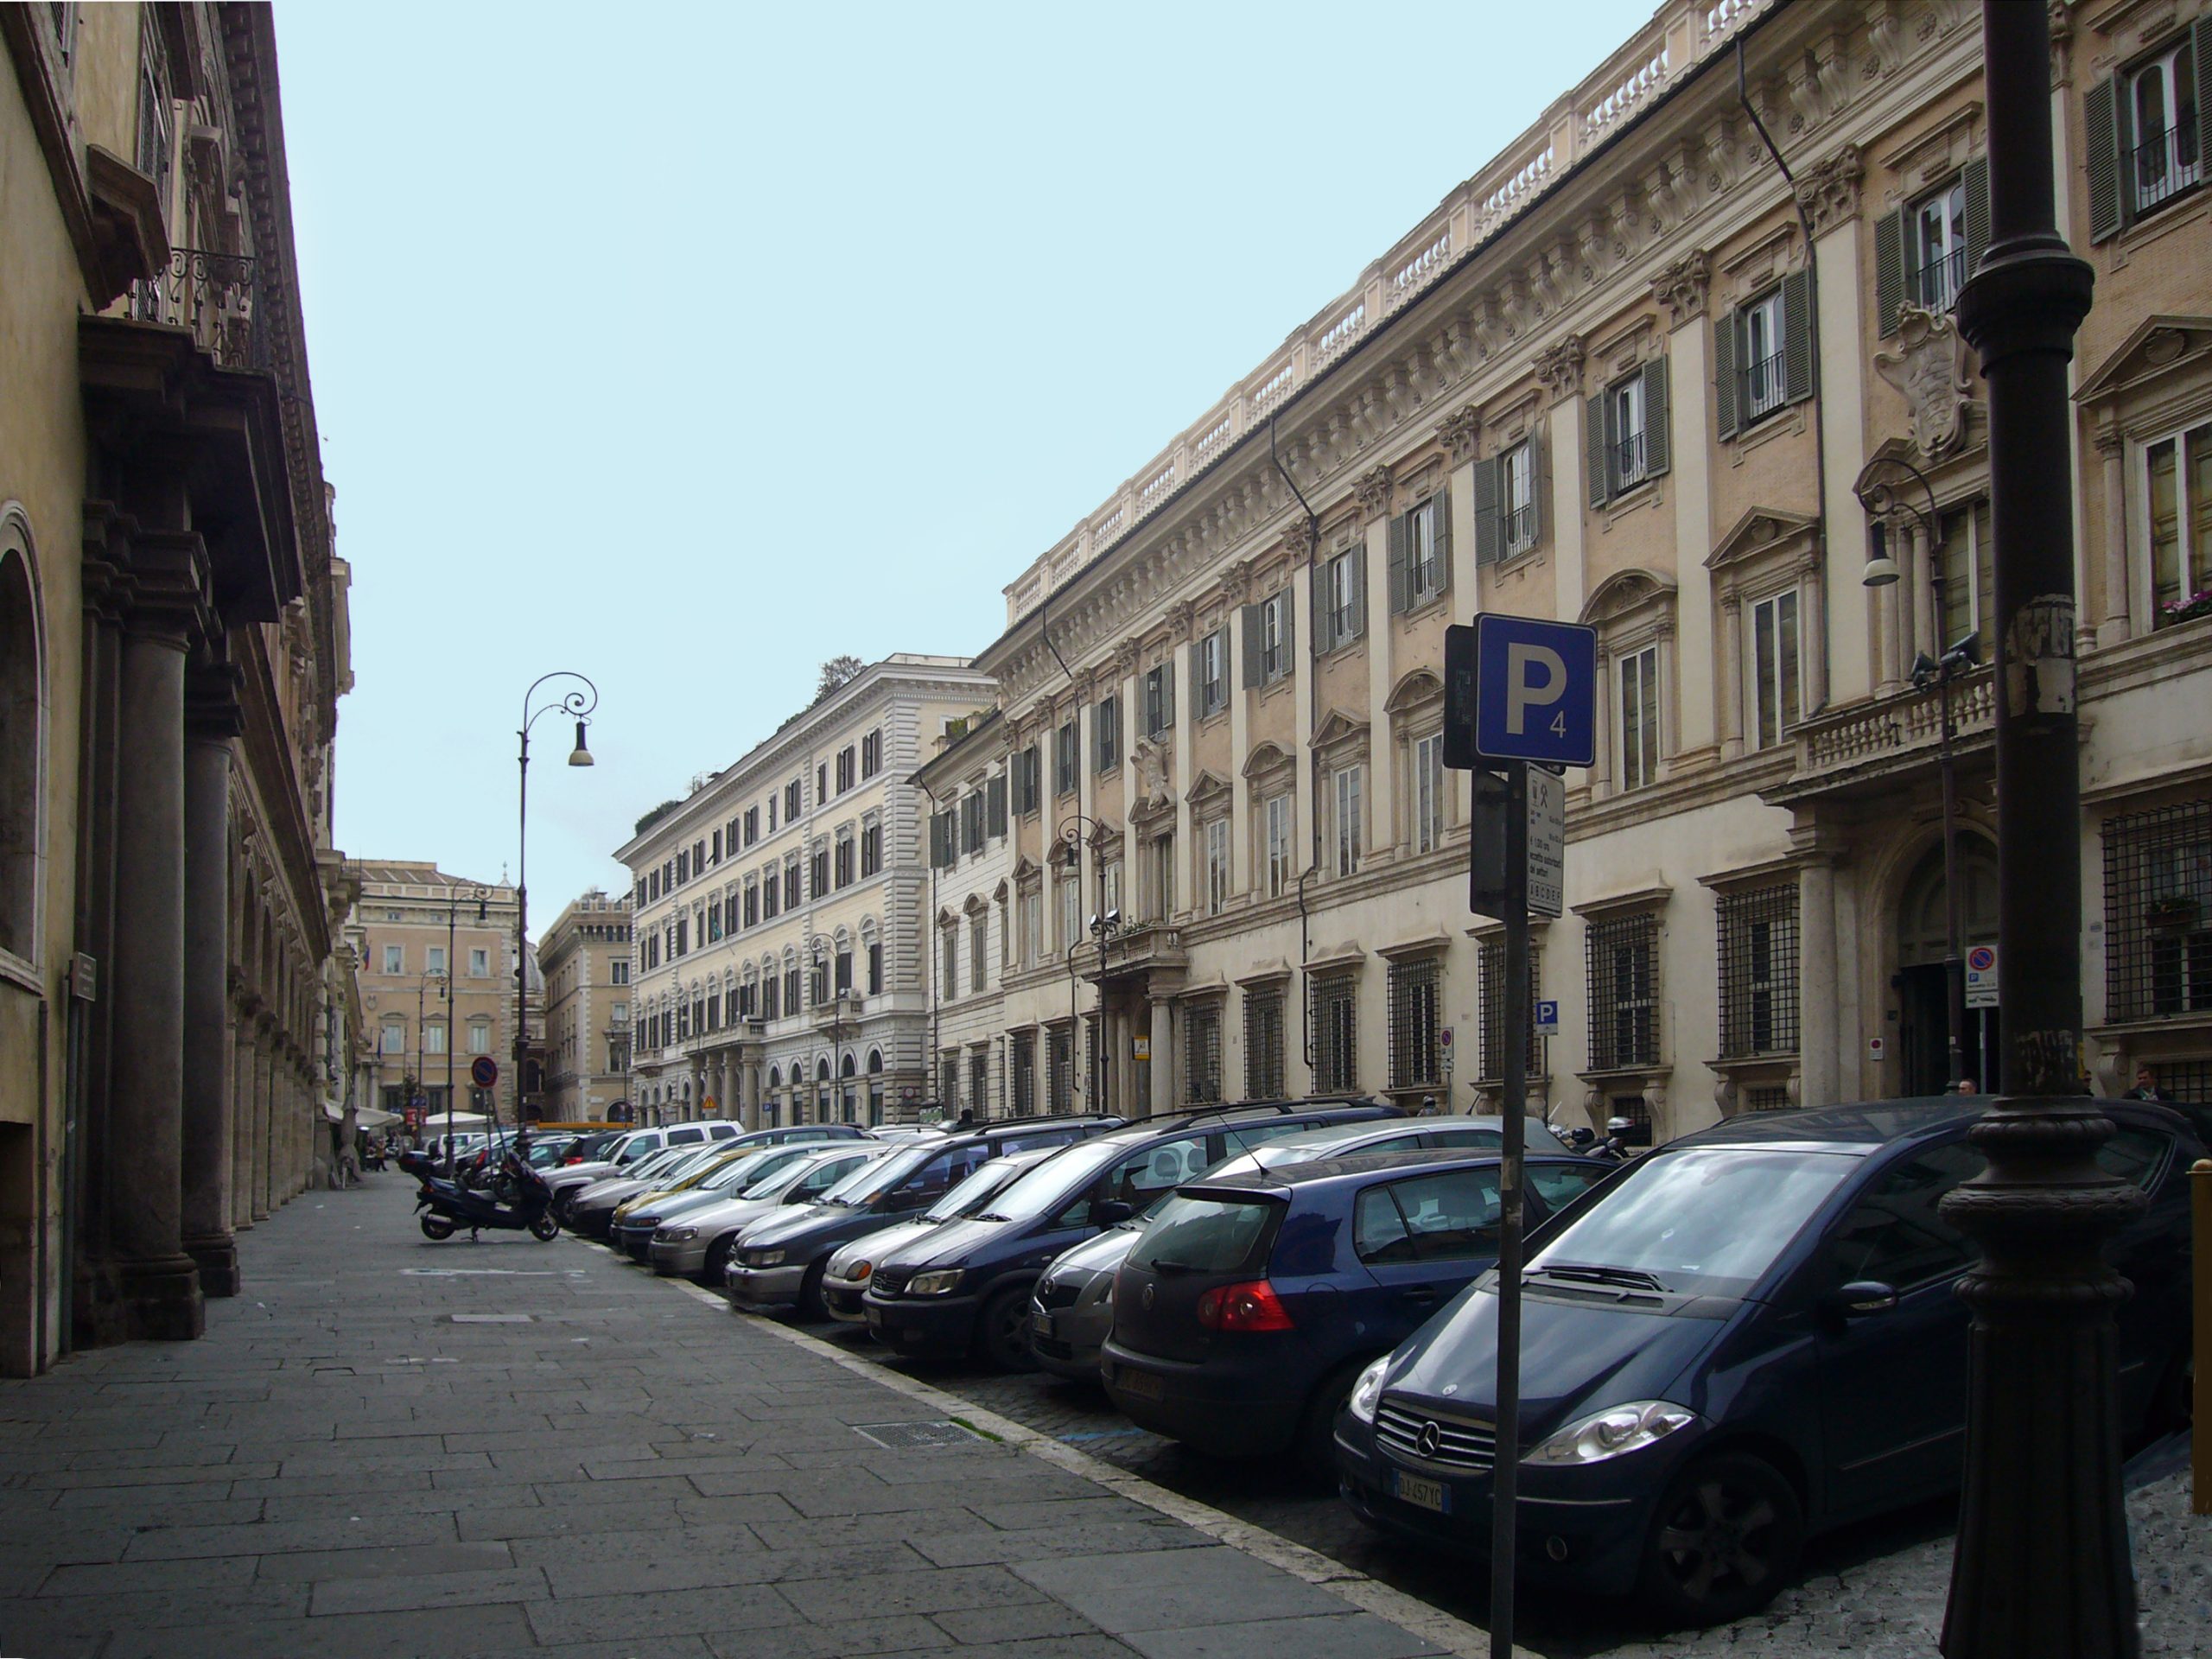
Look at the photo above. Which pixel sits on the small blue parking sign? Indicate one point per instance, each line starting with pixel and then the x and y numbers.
pixel 1547 1018
pixel 1535 690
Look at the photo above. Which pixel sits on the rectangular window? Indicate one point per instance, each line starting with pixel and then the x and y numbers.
pixel 771 896
pixel 971 823
pixel 1345 798
pixel 1110 886
pixel 1106 731
pixel 772 815
pixel 752 824
pixel 949 967
pixel 1160 880
pixel 618 974
pixel 1342 596
pixel 871 849
pixel 1071 891
pixel 1024 1073
pixel 714 919
pixel 1265 1073
pixel 480 962
pixel 1213 673
pixel 1274 815
pixel 435 959
pixel 871 753
pixel 1419 553
pixel 1935 247
pixel 846 761
pixel 1764 369
pixel 1336 1033
pixel 978 950
pixel 1517 497
pixel 1059 1068
pixel 818 872
pixel 1624 964
pixel 480 1037
pixel 1217 871
pixel 2161 121
pixel 821 782
pixel 792 896
pixel 1758 972
pixel 844 861
pixel 392 1038
pixel 791 1004
pixel 1639 718
pixel 395 957
pixel 1066 748
pixel 2178 477
pixel 875 969
pixel 1427 789
pixel 1415 991
pixel 683 868
pixel 1274 638
pixel 1032 903
pixel 2158 911
pixel 1489 1013
pixel 751 903
pixel 1773 667
pixel 1159 700
pixel 1969 574
pixel 433 1038
pixel 1624 431
pixel 1202 1053
pixel 771 998
pixel 793 794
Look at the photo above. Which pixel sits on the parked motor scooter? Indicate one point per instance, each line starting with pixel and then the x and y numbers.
pixel 449 1206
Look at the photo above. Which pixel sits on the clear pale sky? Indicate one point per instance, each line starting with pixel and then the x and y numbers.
pixel 689 346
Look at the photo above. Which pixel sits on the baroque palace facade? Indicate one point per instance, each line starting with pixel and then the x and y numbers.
pixel 1628 374
pixel 177 1015
pixel 778 909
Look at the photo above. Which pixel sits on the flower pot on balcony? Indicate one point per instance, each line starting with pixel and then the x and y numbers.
pixel 2175 915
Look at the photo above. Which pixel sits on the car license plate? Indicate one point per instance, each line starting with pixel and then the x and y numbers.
pixel 1143 1384
pixel 1421 1491
pixel 1041 1322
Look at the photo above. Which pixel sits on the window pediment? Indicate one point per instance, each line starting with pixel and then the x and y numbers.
pixel 1629 596
pixel 1265 761
pixel 2158 347
pixel 1338 730
pixel 1417 690
pixel 1208 791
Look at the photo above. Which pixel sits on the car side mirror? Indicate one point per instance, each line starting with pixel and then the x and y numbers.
pixel 1109 1212
pixel 1860 1298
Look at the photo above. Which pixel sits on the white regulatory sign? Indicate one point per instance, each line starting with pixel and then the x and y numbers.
pixel 1982 976
pixel 1546 843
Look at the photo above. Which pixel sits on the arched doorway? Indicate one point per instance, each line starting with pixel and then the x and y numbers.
pixel 1924 1032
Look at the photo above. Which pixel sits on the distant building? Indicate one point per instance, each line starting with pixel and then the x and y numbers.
pixel 585 956
pixel 437 977
pixel 780 913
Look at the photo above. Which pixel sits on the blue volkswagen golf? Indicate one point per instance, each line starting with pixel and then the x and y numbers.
pixel 1748 1336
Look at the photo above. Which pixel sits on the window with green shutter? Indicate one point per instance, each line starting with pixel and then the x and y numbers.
pixel 1925 250
pixel 2146 148
pixel 1421 554
pixel 1763 355
pixel 1507 507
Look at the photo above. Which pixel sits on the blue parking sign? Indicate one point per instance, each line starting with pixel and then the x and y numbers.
pixel 1535 690
pixel 1547 1018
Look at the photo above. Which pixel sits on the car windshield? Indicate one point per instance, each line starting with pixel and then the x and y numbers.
pixel 1710 1220
pixel 740 1171
pixel 1049 1185
pixel 970 1195
pixel 865 1165
pixel 879 1177
pixel 776 1181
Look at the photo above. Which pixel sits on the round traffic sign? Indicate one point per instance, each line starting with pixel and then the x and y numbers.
pixel 483 1070
pixel 1981 958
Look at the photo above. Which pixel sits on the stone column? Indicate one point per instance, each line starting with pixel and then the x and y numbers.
pixel 1729 696
pixel 159 1284
pixel 1926 626
pixel 2114 623
pixel 1813 666
pixel 1163 1058
pixel 206 1148
pixel 1889 647
pixel 262 1126
pixel 1817 1069
pixel 1602 782
pixel 243 1127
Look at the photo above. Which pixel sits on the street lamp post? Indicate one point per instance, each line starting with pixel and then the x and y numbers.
pixel 1078 829
pixel 1880 500
pixel 577 703
pixel 2041 1568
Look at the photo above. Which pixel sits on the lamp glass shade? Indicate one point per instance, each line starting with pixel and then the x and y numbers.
pixel 1881 570
pixel 580 756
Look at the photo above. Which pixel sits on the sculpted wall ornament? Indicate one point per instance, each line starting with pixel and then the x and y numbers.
pixel 1460 432
pixel 1682 286
pixel 1559 371
pixel 1829 189
pixel 1929 367
pixel 1373 490
pixel 1153 789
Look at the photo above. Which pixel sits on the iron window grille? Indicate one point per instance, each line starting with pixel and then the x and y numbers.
pixel 979 1081
pixel 1059 1068
pixel 1770 1097
pixel 1202 1053
pixel 1758 972
pixel 1489 1012
pixel 1336 1026
pixel 1416 992
pixel 2187 1081
pixel 1624 966
pixel 978 951
pixel 2158 913
pixel 1637 1112
pixel 1264 1066
pixel 1024 1073
pixel 948 1075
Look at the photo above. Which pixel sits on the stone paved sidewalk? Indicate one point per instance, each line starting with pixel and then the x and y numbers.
pixel 389 1447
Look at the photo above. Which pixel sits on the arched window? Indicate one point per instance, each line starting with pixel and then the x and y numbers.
pixel 22 733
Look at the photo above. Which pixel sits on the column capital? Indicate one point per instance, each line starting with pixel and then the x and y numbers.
pixel 1460 433
pixel 168 589
pixel 212 688
pixel 1682 286
pixel 1373 490
pixel 1559 371
pixel 1828 190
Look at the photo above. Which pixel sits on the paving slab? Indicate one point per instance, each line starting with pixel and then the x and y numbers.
pixel 355 1461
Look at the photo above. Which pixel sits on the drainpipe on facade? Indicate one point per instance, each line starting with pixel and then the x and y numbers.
pixel 1820 424
pixel 1312 760
pixel 929 955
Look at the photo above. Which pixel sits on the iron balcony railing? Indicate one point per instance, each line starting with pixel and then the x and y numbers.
pixel 214 296
pixel 2165 164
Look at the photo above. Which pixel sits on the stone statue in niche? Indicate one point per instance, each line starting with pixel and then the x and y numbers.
pixel 1153 788
pixel 1929 367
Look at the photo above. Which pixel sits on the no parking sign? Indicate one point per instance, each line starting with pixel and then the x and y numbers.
pixel 1982 976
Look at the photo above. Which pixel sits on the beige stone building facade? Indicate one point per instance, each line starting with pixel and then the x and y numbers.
pixel 1627 374
pixel 585 955
pixel 175 1019
pixel 434 955
pixel 781 910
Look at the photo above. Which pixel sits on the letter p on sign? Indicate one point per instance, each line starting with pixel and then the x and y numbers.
pixel 1535 677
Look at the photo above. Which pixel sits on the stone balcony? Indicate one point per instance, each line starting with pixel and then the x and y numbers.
pixel 216 297
pixel 1869 743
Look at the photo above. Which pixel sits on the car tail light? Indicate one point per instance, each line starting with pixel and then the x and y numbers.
pixel 1252 1306
pixel 576 1160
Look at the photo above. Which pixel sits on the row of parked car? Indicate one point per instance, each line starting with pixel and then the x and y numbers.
pixel 1744 1337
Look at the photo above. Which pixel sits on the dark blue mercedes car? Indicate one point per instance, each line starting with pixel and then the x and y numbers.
pixel 1748 1336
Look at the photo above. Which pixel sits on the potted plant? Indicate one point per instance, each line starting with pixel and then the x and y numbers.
pixel 2187 607
pixel 2173 913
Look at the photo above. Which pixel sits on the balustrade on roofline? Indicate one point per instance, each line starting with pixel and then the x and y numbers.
pixel 1623 84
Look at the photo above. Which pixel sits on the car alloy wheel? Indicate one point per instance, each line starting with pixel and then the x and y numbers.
pixel 1005 1331
pixel 1724 1539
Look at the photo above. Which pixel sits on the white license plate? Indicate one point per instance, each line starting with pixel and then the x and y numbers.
pixel 1421 1491
pixel 1040 1322
pixel 1143 1384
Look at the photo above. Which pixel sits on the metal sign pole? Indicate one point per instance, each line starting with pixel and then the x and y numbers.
pixel 1506 1469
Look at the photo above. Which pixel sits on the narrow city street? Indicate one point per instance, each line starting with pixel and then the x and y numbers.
pixel 389 1447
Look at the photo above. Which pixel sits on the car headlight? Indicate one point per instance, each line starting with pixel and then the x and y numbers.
pixel 857 1273
pixel 764 1258
pixel 942 1282
pixel 1612 1432
pixel 1367 1392
pixel 641 1221
pixel 679 1235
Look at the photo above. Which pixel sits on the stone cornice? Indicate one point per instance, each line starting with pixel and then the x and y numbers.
pixel 1828 190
